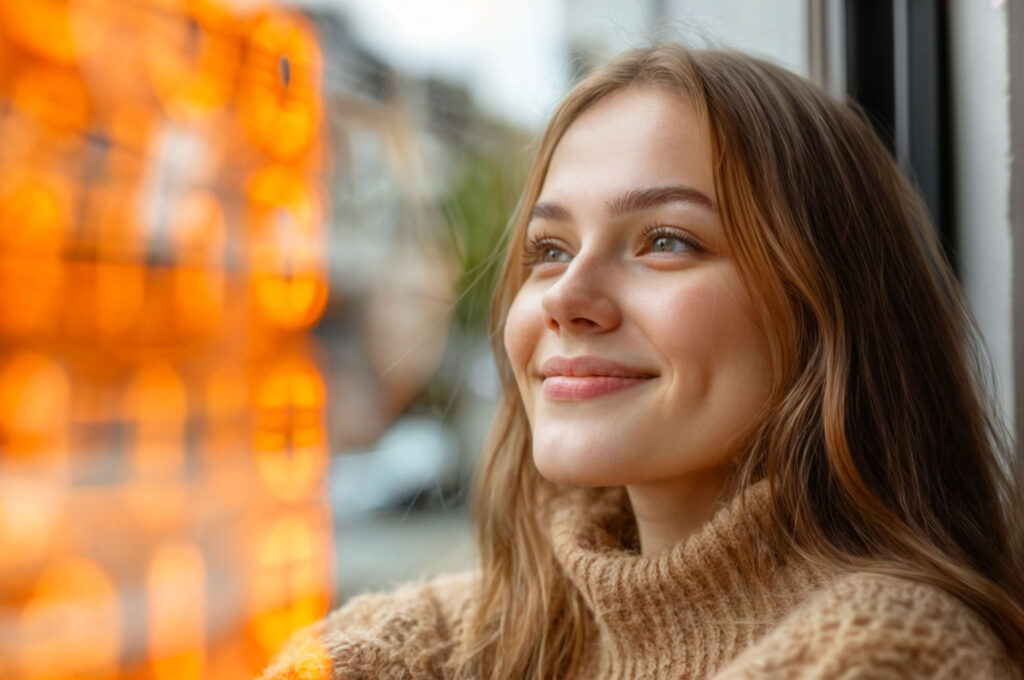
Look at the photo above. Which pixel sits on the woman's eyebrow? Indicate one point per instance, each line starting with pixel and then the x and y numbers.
pixel 634 200
pixel 645 199
pixel 550 211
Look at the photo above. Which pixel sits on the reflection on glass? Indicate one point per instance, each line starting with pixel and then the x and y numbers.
pixel 35 397
pixel 280 86
pixel 199 234
pixel 163 445
pixel 176 598
pixel 34 211
pixel 290 442
pixel 289 586
pixel 70 625
pixel 286 253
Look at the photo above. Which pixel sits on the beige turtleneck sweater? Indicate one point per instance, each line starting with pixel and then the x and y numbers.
pixel 691 612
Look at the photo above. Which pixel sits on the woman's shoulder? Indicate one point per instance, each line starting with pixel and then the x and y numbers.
pixel 408 632
pixel 866 624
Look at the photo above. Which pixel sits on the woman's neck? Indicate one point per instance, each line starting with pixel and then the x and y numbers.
pixel 668 512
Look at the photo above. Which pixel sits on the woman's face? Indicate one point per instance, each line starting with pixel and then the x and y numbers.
pixel 633 339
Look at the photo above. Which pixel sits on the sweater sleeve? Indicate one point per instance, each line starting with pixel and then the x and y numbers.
pixel 407 634
pixel 870 626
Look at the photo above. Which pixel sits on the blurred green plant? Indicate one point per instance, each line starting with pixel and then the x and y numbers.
pixel 479 206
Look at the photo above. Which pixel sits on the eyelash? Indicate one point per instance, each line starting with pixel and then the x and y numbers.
pixel 536 245
pixel 659 230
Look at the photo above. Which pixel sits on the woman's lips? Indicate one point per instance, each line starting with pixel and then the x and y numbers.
pixel 587 377
pixel 571 388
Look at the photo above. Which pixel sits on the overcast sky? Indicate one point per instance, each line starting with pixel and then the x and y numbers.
pixel 513 54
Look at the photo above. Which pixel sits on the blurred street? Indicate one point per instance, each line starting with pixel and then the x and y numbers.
pixel 423 543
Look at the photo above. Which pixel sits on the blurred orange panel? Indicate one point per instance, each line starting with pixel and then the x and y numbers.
pixel 277 187
pixel 191 54
pixel 225 395
pixel 200 285
pixel 132 128
pixel 120 295
pixel 157 404
pixel 219 14
pixel 292 473
pixel 35 402
pixel 294 383
pixel 289 587
pixel 280 98
pixel 162 255
pixel 294 302
pixel 35 213
pixel 287 252
pixel 226 445
pixel 33 523
pixel 111 69
pixel 71 625
pixel 55 97
pixel 108 278
pixel 45 29
pixel 290 441
pixel 176 612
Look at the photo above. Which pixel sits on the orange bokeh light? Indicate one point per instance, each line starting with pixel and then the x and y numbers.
pixel 176 595
pixel 280 98
pixel 191 56
pixel 286 254
pixel 200 283
pixel 71 625
pixel 289 586
pixel 113 286
pixel 35 212
pixel 54 96
pixel 31 522
pixel 290 440
pixel 45 28
pixel 157 403
pixel 225 396
pixel 35 400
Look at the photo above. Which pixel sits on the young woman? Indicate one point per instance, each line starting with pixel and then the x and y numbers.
pixel 743 433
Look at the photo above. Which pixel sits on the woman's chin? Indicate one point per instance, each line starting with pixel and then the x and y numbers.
pixel 579 467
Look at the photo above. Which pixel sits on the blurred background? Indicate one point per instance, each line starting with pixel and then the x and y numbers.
pixel 246 253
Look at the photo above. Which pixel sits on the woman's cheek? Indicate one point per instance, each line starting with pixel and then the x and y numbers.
pixel 521 336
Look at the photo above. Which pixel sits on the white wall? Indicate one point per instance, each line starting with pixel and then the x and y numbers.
pixel 981 124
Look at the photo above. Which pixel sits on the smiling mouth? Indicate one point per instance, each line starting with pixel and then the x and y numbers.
pixel 579 388
pixel 587 377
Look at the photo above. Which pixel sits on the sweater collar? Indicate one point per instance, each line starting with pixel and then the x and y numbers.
pixel 694 606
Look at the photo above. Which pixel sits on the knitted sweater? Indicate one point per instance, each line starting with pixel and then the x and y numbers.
pixel 691 612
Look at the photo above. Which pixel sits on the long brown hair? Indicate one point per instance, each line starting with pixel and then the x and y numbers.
pixel 882 450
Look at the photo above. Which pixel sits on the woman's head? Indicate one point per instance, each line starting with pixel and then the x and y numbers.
pixel 838 311
pixel 805 200
pixel 636 350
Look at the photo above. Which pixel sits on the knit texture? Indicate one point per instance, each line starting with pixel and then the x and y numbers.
pixel 724 604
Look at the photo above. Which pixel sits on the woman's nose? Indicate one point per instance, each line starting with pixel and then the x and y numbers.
pixel 580 301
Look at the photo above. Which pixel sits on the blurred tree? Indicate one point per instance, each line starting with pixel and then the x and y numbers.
pixel 479 207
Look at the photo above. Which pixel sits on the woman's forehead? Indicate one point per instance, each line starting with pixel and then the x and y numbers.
pixel 633 139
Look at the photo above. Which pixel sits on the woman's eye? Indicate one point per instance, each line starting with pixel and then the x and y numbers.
pixel 553 254
pixel 663 239
pixel 669 244
pixel 542 251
